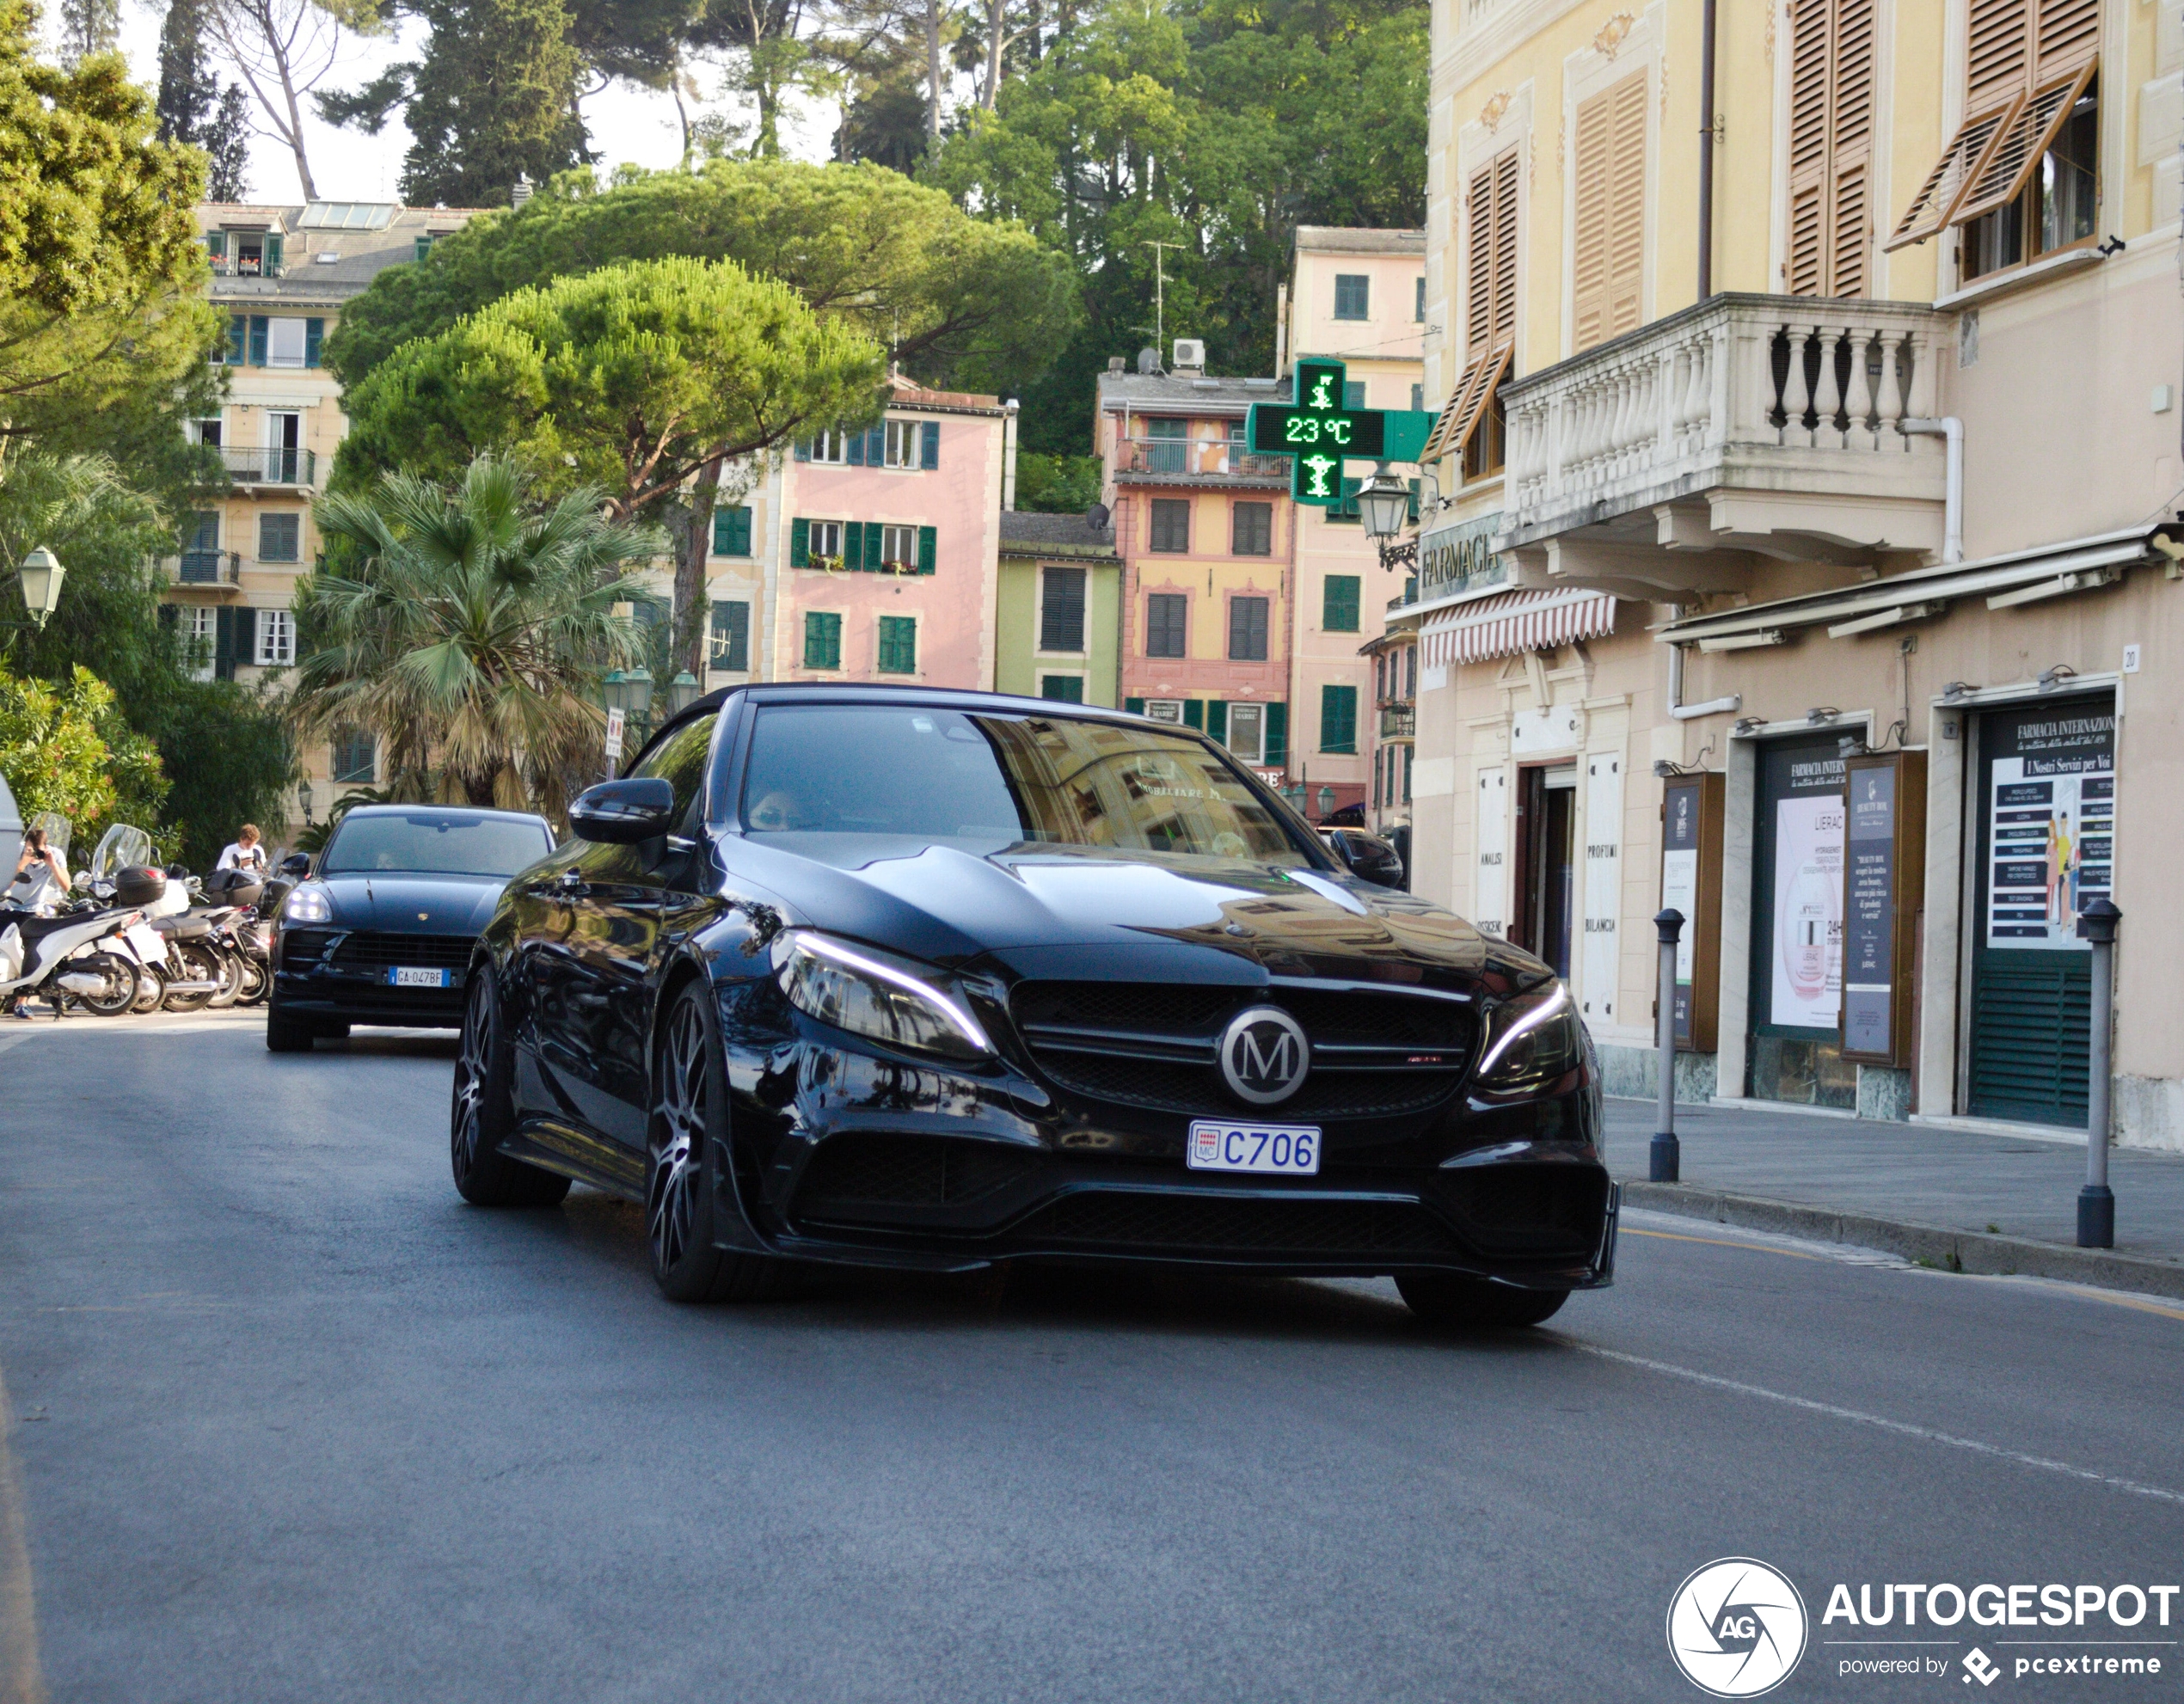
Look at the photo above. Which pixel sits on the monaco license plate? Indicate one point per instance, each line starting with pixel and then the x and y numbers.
pixel 402 976
pixel 1293 1151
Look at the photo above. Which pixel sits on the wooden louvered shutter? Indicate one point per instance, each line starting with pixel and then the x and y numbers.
pixel 1812 23
pixel 1505 250
pixel 1831 65
pixel 1589 253
pixel 1478 301
pixel 2069 39
pixel 1609 264
pixel 1627 209
pixel 1994 56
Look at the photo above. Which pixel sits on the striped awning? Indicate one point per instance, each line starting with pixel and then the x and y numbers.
pixel 1513 623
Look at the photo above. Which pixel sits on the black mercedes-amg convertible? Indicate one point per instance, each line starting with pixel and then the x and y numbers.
pixel 933 980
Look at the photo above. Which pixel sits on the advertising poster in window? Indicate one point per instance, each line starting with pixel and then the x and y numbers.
pixel 1808 899
pixel 2052 813
pixel 1680 891
pixel 1870 987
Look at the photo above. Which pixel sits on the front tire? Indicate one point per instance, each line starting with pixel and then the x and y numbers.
pixel 287 1034
pixel 688 1128
pixel 198 962
pixel 482 1113
pixel 122 986
pixel 1451 1301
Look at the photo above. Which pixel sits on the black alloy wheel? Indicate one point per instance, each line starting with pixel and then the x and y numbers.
pixel 688 1130
pixel 1451 1301
pixel 482 1114
pixel 121 989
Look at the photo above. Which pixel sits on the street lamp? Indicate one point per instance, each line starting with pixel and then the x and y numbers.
pixel 682 692
pixel 1326 801
pixel 1384 503
pixel 304 801
pixel 629 692
pixel 41 576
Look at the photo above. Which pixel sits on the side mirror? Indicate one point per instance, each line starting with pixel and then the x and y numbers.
pixel 1369 857
pixel 296 866
pixel 623 812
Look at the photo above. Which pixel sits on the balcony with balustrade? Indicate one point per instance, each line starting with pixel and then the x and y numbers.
pixel 1688 455
pixel 212 570
pixel 1180 461
pixel 277 466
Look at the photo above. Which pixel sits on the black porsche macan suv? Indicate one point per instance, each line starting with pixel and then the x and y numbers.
pixel 930 980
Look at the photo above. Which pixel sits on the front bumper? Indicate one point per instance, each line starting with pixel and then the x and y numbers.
pixel 359 998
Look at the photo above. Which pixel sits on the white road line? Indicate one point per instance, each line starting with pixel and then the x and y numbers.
pixel 1901 1428
pixel 21 1680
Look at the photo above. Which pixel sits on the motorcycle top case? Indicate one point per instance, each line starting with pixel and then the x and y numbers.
pixel 139 885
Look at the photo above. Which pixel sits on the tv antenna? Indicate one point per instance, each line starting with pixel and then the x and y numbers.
pixel 1160 283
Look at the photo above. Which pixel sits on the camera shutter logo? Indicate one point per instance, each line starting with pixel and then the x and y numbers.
pixel 1264 1055
pixel 1736 1628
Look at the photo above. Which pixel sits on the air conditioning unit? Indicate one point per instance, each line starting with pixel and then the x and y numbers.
pixel 1190 354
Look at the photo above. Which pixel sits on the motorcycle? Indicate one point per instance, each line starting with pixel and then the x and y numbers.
pixel 94 956
pixel 124 857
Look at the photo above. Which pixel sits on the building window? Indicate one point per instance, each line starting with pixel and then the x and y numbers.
pixel 732 530
pixel 1061 610
pixel 1338 719
pixel 834 446
pixel 1247 732
pixel 730 649
pixel 1417 398
pixel 1248 629
pixel 1608 260
pixel 1339 600
pixel 901 448
pixel 1352 295
pixel 276 639
pixel 822 640
pixel 1062 688
pixel 898 547
pixel 1251 528
pixel 1419 312
pixel 1168 451
pixel 285 343
pixel 826 540
pixel 2056 206
pixel 1489 308
pixel 355 757
pixel 1410 671
pixel 1483 449
pixel 201 632
pixel 1171 528
pixel 1353 393
pixel 281 539
pixel 1167 623
pixel 898 645
pixel 208 433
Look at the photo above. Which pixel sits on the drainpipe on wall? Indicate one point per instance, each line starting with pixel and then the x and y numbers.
pixel 1706 151
pixel 1009 456
pixel 1678 709
pixel 1951 428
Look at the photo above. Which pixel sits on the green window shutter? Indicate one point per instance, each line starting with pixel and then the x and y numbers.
pixel 314 340
pixel 822 640
pixel 800 543
pixel 853 545
pixel 732 531
pixel 216 244
pixel 873 539
pixel 803 449
pixel 223 644
pixel 929 455
pixel 928 549
pixel 424 247
pixel 1217 719
pixel 246 635
pixel 257 340
pixel 1338 718
pixel 1339 604
pixel 1062 688
pixel 898 645
pixel 731 647
pixel 720 531
pixel 1194 712
pixel 238 338
pixel 1277 736
pixel 876 446
pixel 1136 707
pixel 272 254
pixel 855 448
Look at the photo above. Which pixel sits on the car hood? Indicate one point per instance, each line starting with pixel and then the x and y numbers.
pixel 1053 911
pixel 413 904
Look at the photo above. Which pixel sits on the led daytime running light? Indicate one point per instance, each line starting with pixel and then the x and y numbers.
pixel 819 947
pixel 1556 1005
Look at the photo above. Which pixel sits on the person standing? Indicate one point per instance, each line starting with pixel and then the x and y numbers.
pixel 40 880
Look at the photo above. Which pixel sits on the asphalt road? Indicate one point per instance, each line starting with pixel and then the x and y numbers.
pixel 285 1420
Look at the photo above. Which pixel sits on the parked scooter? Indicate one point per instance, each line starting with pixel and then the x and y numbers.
pixel 94 956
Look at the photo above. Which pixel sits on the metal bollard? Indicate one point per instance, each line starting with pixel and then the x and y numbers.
pixel 2096 1202
pixel 1665 1157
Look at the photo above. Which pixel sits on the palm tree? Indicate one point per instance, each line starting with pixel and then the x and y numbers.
pixel 471 633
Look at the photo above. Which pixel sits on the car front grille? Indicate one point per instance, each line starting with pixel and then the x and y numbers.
pixel 1152 1046
pixel 855 1173
pixel 1203 1224
pixel 367 949
pixel 302 947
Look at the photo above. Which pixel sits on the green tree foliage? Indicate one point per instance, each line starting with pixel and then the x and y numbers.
pixel 1217 124
pixel 192 107
pixel 493 97
pixel 965 303
pixel 100 264
pixel 64 748
pixel 1057 484
pixel 469 633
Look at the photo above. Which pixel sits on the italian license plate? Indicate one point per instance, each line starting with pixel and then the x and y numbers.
pixel 1292 1151
pixel 401 976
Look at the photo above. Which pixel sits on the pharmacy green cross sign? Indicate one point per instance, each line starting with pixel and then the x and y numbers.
pixel 1319 433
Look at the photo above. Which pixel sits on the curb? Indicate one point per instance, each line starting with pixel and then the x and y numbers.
pixel 1955 1251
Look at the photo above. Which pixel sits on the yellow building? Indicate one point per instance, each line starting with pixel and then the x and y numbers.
pixel 282 275
pixel 1808 411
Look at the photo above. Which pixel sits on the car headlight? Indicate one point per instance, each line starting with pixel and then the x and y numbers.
pixel 870 993
pixel 1531 1041
pixel 306 906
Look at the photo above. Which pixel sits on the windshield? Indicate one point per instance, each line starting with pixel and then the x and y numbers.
pixel 943 775
pixel 119 848
pixel 434 843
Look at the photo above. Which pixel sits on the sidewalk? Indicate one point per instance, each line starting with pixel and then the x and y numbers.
pixel 1963 1200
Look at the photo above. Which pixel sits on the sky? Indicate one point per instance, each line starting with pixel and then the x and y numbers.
pixel 629 127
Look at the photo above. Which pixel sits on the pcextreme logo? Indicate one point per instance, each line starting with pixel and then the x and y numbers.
pixel 1736 1628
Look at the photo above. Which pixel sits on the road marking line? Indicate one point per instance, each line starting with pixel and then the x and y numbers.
pixel 21 1681
pixel 13 1040
pixel 1722 1242
pixel 1901 1428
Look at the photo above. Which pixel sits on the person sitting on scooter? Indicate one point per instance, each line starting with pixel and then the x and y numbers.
pixel 40 879
pixel 243 852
